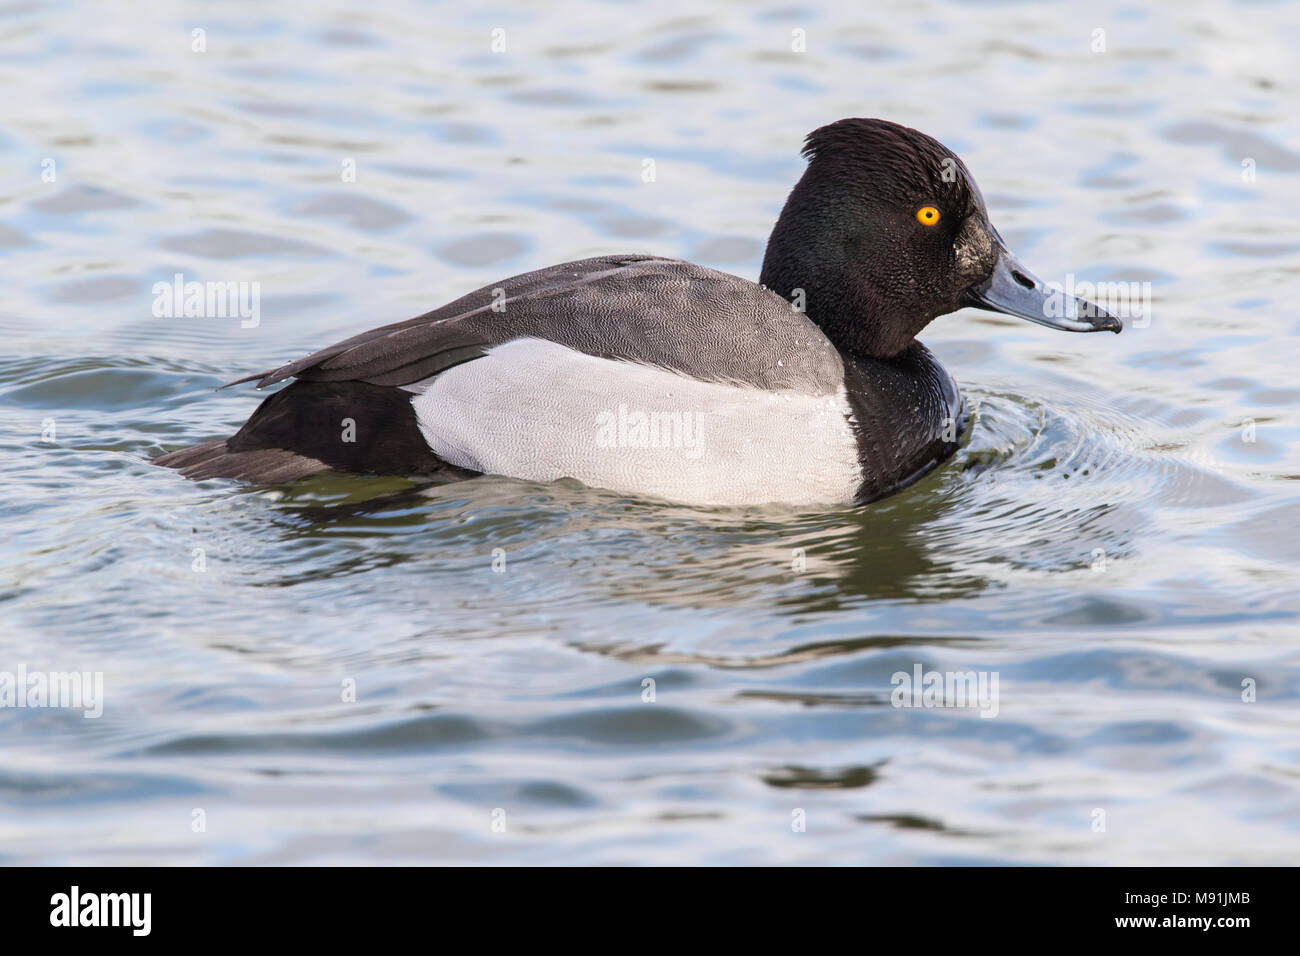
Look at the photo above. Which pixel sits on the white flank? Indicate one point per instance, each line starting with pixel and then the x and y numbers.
pixel 539 411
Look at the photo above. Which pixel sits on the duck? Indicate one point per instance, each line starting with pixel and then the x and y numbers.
pixel 659 378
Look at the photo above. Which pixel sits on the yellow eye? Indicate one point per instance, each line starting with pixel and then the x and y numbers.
pixel 927 215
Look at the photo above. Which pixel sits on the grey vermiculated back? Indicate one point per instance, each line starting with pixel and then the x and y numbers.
pixel 662 312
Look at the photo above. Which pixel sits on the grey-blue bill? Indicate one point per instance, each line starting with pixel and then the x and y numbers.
pixel 1014 290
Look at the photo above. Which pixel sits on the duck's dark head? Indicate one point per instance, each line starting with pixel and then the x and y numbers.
pixel 887 230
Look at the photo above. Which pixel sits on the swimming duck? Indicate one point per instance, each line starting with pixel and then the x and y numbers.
pixel 658 377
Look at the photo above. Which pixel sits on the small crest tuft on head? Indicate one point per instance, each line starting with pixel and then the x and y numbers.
pixel 895 157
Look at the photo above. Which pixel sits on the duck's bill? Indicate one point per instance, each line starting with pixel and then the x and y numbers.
pixel 1014 290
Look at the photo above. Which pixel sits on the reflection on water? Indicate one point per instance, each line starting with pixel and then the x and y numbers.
pixel 355 669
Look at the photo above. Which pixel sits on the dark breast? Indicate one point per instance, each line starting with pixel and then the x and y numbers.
pixel 909 416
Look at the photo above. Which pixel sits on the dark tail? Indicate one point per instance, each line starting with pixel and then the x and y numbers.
pixel 309 427
pixel 214 459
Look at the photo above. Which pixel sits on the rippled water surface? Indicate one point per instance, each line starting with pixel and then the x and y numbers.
pixel 1110 541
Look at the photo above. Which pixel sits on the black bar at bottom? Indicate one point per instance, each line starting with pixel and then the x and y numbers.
pixel 330 906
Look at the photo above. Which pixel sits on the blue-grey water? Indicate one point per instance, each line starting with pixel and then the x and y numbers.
pixel 1116 540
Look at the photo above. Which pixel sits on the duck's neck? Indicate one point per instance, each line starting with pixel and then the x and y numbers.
pixel 810 261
